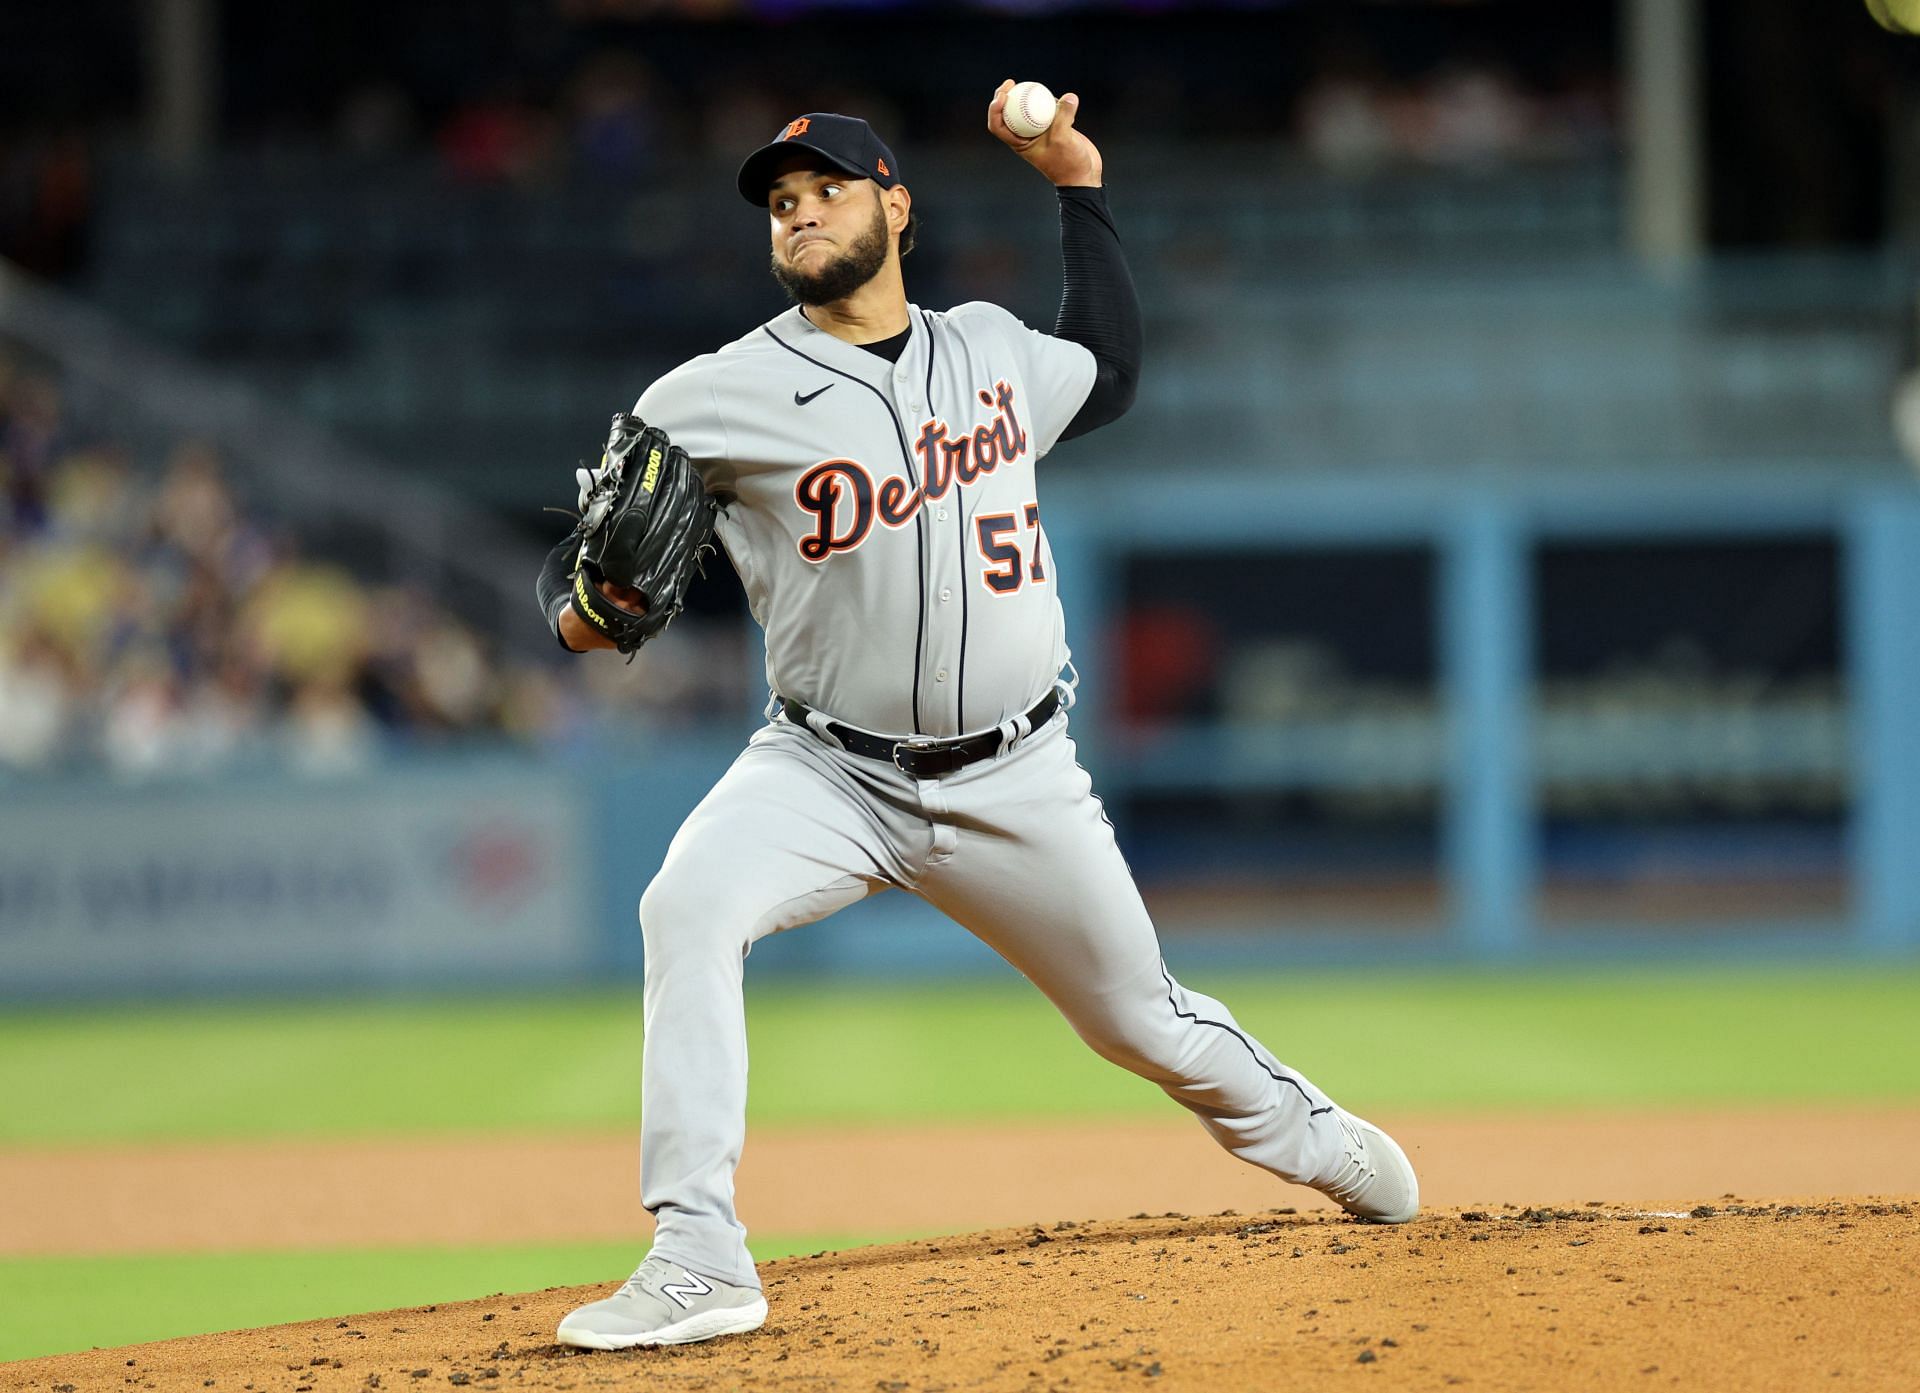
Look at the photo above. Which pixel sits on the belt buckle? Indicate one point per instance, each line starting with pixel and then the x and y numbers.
pixel 915 744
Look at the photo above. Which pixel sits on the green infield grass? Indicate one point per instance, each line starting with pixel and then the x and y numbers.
pixel 1672 1037
pixel 56 1305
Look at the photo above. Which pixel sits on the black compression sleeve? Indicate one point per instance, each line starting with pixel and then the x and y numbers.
pixel 554 585
pixel 1098 307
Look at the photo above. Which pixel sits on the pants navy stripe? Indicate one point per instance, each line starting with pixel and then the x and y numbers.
pixel 1222 1025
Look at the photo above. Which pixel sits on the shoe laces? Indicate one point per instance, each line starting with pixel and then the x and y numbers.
pixel 647 1268
pixel 1356 1167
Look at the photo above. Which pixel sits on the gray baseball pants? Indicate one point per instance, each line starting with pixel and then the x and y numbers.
pixel 1015 849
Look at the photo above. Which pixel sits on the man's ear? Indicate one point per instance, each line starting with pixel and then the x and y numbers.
pixel 899 204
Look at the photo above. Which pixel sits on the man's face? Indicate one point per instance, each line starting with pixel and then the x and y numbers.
pixel 829 233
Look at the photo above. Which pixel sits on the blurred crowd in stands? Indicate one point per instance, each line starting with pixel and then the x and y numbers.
pixel 616 118
pixel 616 115
pixel 152 623
pixel 1355 119
pixel 46 195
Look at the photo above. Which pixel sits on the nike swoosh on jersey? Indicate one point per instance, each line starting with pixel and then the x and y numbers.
pixel 799 400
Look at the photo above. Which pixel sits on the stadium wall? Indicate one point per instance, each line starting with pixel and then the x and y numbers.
pixel 438 871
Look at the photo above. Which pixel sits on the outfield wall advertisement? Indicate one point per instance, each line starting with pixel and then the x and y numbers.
pixel 405 879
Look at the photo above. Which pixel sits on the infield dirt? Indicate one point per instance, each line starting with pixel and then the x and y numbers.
pixel 1684 1287
pixel 373 1192
pixel 1727 1296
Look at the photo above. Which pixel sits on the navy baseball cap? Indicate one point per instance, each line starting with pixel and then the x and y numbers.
pixel 844 142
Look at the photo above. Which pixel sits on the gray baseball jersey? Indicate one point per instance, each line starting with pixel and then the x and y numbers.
pixel 886 521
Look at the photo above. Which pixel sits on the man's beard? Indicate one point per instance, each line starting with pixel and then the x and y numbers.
pixel 842 275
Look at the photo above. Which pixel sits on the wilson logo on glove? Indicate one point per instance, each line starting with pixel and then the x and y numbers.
pixel 585 601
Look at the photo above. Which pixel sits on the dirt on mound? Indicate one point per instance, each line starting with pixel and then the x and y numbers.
pixel 1730 1295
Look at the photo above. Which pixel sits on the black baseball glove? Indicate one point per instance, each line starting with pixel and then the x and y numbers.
pixel 646 521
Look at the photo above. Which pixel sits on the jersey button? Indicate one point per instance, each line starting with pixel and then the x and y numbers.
pixel 945 594
pixel 940 676
pixel 941 516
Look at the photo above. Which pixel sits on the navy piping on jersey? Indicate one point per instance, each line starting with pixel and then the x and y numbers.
pixel 968 514
pixel 960 686
pixel 1222 1025
pixel 966 531
pixel 919 531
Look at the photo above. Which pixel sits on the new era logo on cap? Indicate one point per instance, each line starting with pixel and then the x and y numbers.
pixel 842 142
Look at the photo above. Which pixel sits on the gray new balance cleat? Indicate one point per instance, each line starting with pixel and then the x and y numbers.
pixel 664 1304
pixel 1375 1180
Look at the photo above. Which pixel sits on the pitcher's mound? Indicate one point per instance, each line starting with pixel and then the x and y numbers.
pixel 1731 1295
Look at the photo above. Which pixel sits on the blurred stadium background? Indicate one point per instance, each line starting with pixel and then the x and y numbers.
pixel 1512 560
pixel 1511 554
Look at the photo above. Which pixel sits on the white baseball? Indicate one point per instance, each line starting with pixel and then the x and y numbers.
pixel 1029 110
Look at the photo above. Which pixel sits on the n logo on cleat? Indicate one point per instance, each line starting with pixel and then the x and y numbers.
pixel 684 1292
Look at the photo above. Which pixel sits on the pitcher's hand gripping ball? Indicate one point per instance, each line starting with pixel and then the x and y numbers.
pixel 1896 16
pixel 644 524
pixel 1030 109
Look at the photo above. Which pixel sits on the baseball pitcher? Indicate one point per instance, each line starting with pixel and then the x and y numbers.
pixel 871 468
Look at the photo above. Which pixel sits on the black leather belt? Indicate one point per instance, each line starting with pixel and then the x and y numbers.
pixel 922 756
